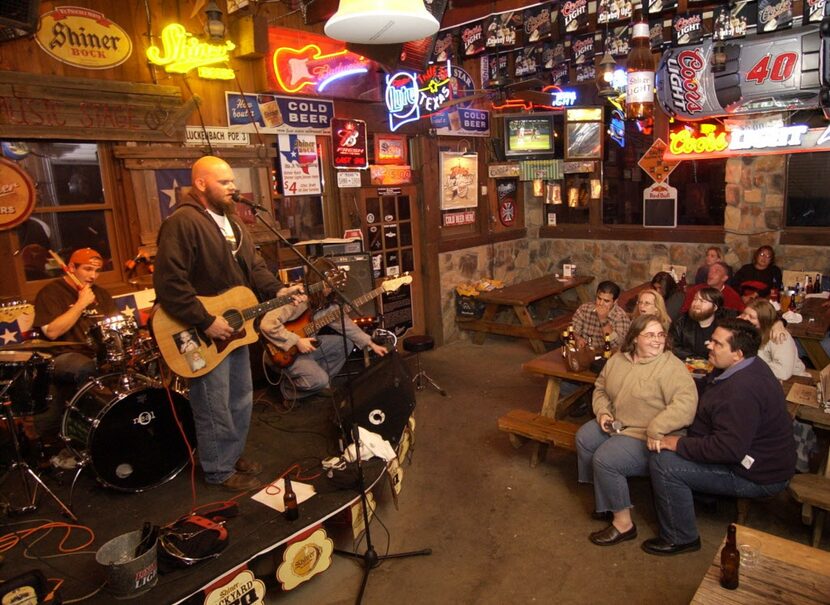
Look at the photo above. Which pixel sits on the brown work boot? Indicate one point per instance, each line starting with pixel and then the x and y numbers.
pixel 240 483
pixel 248 467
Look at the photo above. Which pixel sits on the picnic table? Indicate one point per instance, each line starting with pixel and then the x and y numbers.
pixel 810 332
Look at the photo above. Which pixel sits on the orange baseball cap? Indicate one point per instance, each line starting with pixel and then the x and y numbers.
pixel 85 255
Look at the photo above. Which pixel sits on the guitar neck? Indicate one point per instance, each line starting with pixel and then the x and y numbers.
pixel 257 310
pixel 312 327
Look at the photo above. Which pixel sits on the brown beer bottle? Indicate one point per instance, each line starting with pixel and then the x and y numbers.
pixel 730 560
pixel 289 501
pixel 639 95
pixel 606 349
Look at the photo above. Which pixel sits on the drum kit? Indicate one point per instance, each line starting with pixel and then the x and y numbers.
pixel 123 424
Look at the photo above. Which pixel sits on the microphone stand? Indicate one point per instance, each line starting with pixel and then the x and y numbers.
pixel 370 558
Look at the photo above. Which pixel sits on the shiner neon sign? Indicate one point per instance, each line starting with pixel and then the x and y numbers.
pixel 712 141
pixel 183 52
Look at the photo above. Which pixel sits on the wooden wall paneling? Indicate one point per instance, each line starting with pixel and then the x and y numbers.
pixel 429 214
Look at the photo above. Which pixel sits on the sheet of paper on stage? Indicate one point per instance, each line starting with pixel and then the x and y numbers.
pixel 271 494
pixel 803 394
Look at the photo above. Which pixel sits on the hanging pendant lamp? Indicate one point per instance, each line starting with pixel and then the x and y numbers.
pixel 381 21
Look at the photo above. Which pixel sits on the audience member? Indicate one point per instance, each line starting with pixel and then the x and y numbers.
pixel 740 443
pixel 762 269
pixel 753 290
pixel 650 302
pixel 642 394
pixel 718 274
pixel 781 354
pixel 664 283
pixel 713 255
pixel 692 330
pixel 594 321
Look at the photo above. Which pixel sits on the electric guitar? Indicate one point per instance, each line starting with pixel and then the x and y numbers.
pixel 306 326
pixel 190 353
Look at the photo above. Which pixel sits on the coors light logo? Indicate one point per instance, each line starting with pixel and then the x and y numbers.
pixel 774 15
pixel 582 47
pixel 814 9
pixel 575 14
pixel 688 29
pixel 473 40
pixel 685 73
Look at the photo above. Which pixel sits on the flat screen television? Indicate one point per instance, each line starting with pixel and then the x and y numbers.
pixel 532 135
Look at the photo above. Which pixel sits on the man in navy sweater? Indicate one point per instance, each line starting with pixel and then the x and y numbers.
pixel 740 442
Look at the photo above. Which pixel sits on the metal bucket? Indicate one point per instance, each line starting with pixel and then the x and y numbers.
pixel 128 576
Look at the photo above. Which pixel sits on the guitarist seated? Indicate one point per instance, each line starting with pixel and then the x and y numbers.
pixel 310 359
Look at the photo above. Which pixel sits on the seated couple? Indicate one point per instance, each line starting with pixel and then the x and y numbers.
pixel 739 440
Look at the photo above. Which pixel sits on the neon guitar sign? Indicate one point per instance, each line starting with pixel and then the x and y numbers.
pixel 296 69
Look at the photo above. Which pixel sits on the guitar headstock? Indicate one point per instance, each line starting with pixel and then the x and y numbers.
pixel 392 284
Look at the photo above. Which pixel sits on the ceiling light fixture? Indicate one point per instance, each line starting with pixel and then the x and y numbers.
pixel 381 21
pixel 607 65
pixel 214 28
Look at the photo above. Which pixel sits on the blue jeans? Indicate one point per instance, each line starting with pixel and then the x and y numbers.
pixel 606 461
pixel 313 371
pixel 673 479
pixel 221 401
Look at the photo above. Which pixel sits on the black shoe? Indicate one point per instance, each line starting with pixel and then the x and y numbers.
pixel 658 546
pixel 604 516
pixel 611 535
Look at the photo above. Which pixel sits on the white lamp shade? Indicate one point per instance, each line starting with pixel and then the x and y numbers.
pixel 381 21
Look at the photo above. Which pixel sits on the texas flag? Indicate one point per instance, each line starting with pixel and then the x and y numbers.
pixel 10 332
pixel 136 305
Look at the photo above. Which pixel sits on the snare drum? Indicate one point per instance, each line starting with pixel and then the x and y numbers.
pixel 111 337
pixel 32 375
pixel 124 426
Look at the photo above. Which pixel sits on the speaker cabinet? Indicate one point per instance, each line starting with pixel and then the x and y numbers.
pixel 383 398
pixel 359 269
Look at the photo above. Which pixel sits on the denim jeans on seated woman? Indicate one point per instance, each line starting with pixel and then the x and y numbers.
pixel 607 460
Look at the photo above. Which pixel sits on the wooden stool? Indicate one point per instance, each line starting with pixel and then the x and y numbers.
pixel 812 491
pixel 416 344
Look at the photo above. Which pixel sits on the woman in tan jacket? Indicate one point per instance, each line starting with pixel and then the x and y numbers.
pixel 643 393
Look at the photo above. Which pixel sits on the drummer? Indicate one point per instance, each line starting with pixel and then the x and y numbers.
pixel 66 311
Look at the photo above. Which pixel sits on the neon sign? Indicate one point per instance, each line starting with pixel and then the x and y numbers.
pixel 402 99
pixel 181 52
pixel 712 141
pixel 309 66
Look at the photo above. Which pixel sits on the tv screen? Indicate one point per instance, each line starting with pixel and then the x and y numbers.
pixel 529 135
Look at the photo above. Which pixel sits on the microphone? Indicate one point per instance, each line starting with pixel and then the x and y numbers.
pixel 237 197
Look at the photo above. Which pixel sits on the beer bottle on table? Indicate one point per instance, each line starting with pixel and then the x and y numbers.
pixel 681 285
pixel 808 287
pixel 817 283
pixel 730 560
pixel 639 97
pixel 289 501
pixel 606 349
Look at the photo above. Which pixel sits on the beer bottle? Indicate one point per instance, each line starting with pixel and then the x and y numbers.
pixel 817 284
pixel 639 95
pixel 681 285
pixel 606 349
pixel 730 560
pixel 289 501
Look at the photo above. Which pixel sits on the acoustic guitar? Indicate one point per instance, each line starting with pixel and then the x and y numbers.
pixel 190 353
pixel 306 325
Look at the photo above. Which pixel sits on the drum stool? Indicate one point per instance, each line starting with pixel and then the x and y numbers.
pixel 417 344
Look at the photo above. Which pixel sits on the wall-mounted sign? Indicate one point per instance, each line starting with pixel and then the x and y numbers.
pixel 700 141
pixel 390 149
pixel 390 175
pixel 506 195
pixel 349 142
pixel 295 69
pixel 83 37
pixel 654 163
pixel 274 114
pixel 466 122
pixel 180 52
pixel 17 195
pixel 459 180
pixel 660 206
pixel 503 171
pixel 348 179
pixel 299 164
pixel 454 219
pixel 215 135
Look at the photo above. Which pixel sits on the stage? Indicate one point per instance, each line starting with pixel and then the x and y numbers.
pixel 279 438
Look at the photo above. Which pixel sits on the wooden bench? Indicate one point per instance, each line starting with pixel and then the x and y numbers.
pixel 521 425
pixel 813 491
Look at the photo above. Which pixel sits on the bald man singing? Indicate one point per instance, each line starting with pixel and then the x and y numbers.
pixel 204 249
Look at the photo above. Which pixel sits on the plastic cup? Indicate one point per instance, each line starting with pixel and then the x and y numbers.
pixel 750 549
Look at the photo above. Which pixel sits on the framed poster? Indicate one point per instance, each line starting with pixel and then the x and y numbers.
pixel 583 141
pixel 390 149
pixel 459 180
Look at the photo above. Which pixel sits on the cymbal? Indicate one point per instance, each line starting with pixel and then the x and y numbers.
pixel 38 343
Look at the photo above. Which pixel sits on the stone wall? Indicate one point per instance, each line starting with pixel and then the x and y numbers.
pixel 755 189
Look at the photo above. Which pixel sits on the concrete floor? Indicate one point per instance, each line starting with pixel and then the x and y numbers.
pixel 501 531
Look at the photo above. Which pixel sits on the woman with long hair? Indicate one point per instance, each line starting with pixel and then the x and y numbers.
pixel 650 302
pixel 780 354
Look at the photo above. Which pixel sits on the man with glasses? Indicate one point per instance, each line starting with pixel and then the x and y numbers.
pixel 740 443
pixel 594 321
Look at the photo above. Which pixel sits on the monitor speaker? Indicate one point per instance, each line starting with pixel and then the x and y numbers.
pixel 359 269
pixel 383 397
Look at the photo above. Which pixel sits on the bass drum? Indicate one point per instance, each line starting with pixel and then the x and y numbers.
pixel 123 426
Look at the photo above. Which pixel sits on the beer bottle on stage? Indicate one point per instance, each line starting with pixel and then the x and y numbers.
pixel 730 560
pixel 639 95
pixel 289 501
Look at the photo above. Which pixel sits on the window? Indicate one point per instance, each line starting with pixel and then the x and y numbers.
pixel 72 209
pixel 807 204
